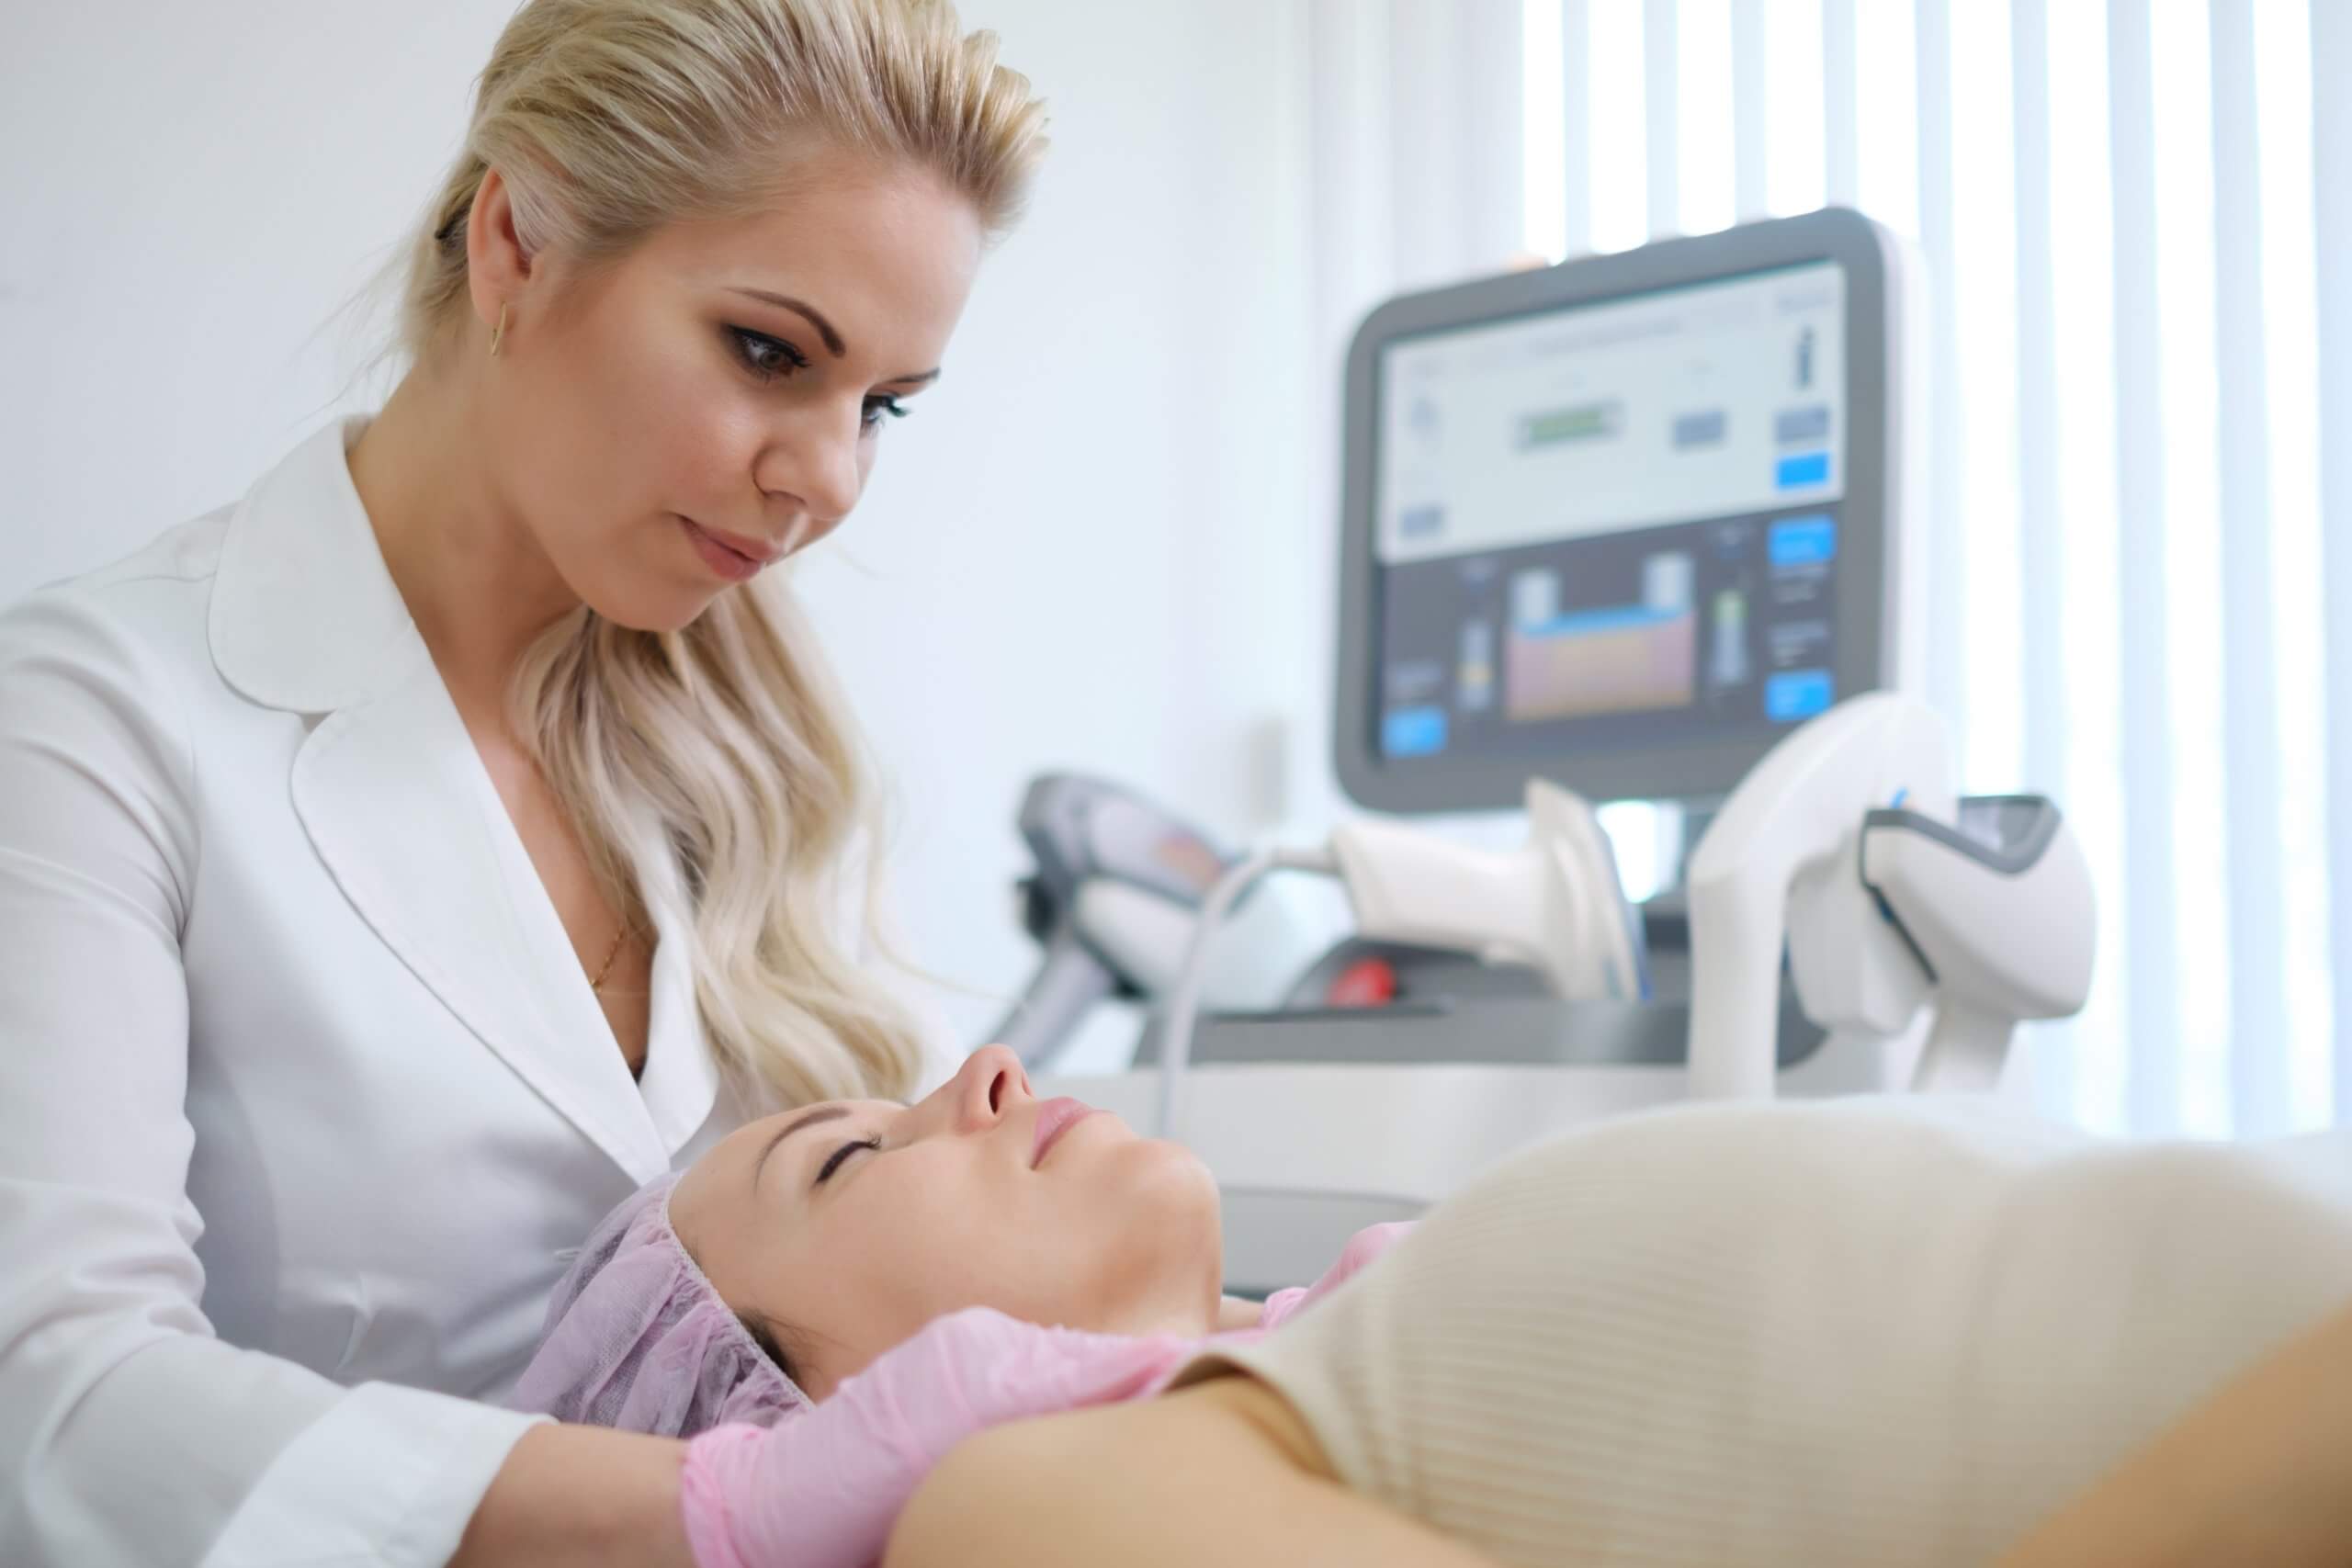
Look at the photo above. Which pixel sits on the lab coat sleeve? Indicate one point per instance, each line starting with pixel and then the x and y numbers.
pixel 130 1434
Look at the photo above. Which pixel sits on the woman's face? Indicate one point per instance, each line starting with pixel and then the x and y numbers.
pixel 851 1225
pixel 724 388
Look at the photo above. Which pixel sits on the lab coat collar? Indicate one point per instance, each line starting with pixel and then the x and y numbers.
pixel 305 616
pixel 399 805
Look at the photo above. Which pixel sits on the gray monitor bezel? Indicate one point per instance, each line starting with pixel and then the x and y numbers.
pixel 1865 623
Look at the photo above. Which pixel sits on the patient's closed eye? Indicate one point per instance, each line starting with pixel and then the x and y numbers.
pixel 833 1161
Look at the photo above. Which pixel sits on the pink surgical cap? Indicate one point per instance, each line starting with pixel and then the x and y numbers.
pixel 638 1338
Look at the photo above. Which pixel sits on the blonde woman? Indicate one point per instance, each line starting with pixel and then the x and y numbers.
pixel 400 865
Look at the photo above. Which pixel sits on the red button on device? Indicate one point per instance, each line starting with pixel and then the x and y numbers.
pixel 1366 982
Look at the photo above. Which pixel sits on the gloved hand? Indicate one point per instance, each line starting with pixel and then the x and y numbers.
pixel 822 1487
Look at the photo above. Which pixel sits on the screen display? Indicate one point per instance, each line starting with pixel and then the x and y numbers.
pixel 1615 523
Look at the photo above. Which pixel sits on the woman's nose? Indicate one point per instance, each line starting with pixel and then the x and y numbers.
pixel 989 1084
pixel 816 469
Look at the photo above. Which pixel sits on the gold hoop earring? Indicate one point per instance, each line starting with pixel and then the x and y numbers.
pixel 498 332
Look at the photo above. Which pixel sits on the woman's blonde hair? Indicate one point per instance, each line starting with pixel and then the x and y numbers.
pixel 715 773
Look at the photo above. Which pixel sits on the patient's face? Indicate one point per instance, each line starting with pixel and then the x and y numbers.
pixel 851 1225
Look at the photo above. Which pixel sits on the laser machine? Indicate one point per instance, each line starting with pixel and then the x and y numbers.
pixel 1626 529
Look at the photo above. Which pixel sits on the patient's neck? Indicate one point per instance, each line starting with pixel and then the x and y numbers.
pixel 1174 1287
pixel 1188 1319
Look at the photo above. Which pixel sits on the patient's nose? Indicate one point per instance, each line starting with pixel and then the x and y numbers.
pixel 989 1084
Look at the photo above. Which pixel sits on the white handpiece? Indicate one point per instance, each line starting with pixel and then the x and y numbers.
pixel 2001 908
pixel 1779 866
pixel 1556 903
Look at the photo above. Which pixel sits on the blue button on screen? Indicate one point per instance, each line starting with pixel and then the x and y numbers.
pixel 1804 541
pixel 1413 732
pixel 1796 693
pixel 1805 468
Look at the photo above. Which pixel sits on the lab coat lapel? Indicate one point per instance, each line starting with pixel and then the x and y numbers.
pixel 399 807
pixel 397 803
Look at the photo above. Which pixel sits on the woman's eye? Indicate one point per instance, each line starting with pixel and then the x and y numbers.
pixel 833 1161
pixel 876 407
pixel 766 357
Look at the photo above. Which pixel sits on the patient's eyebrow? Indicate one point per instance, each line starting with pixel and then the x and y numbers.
pixel 822 1113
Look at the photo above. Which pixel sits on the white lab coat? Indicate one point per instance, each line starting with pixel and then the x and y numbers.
pixel 304 1092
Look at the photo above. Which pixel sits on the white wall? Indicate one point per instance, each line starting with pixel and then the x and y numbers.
pixel 1081 552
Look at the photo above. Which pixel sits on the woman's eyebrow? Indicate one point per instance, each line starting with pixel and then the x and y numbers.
pixel 822 1113
pixel 824 328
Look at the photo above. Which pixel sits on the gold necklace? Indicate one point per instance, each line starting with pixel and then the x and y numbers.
pixel 596 986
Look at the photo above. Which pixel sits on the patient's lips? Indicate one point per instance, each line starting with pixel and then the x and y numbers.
pixel 1053 1118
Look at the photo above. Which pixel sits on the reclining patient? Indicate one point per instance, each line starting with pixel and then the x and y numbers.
pixel 1863 1332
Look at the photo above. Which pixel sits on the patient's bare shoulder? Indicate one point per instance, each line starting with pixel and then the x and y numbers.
pixel 2258 1472
pixel 1211 1474
pixel 1074 1487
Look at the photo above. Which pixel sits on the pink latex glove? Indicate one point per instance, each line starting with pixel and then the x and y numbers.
pixel 1362 1247
pixel 822 1489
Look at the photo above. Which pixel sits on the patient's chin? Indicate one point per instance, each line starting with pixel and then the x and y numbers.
pixel 1167 1175
pixel 1173 1198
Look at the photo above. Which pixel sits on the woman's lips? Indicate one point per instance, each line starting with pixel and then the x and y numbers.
pixel 723 553
pixel 1055 1118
